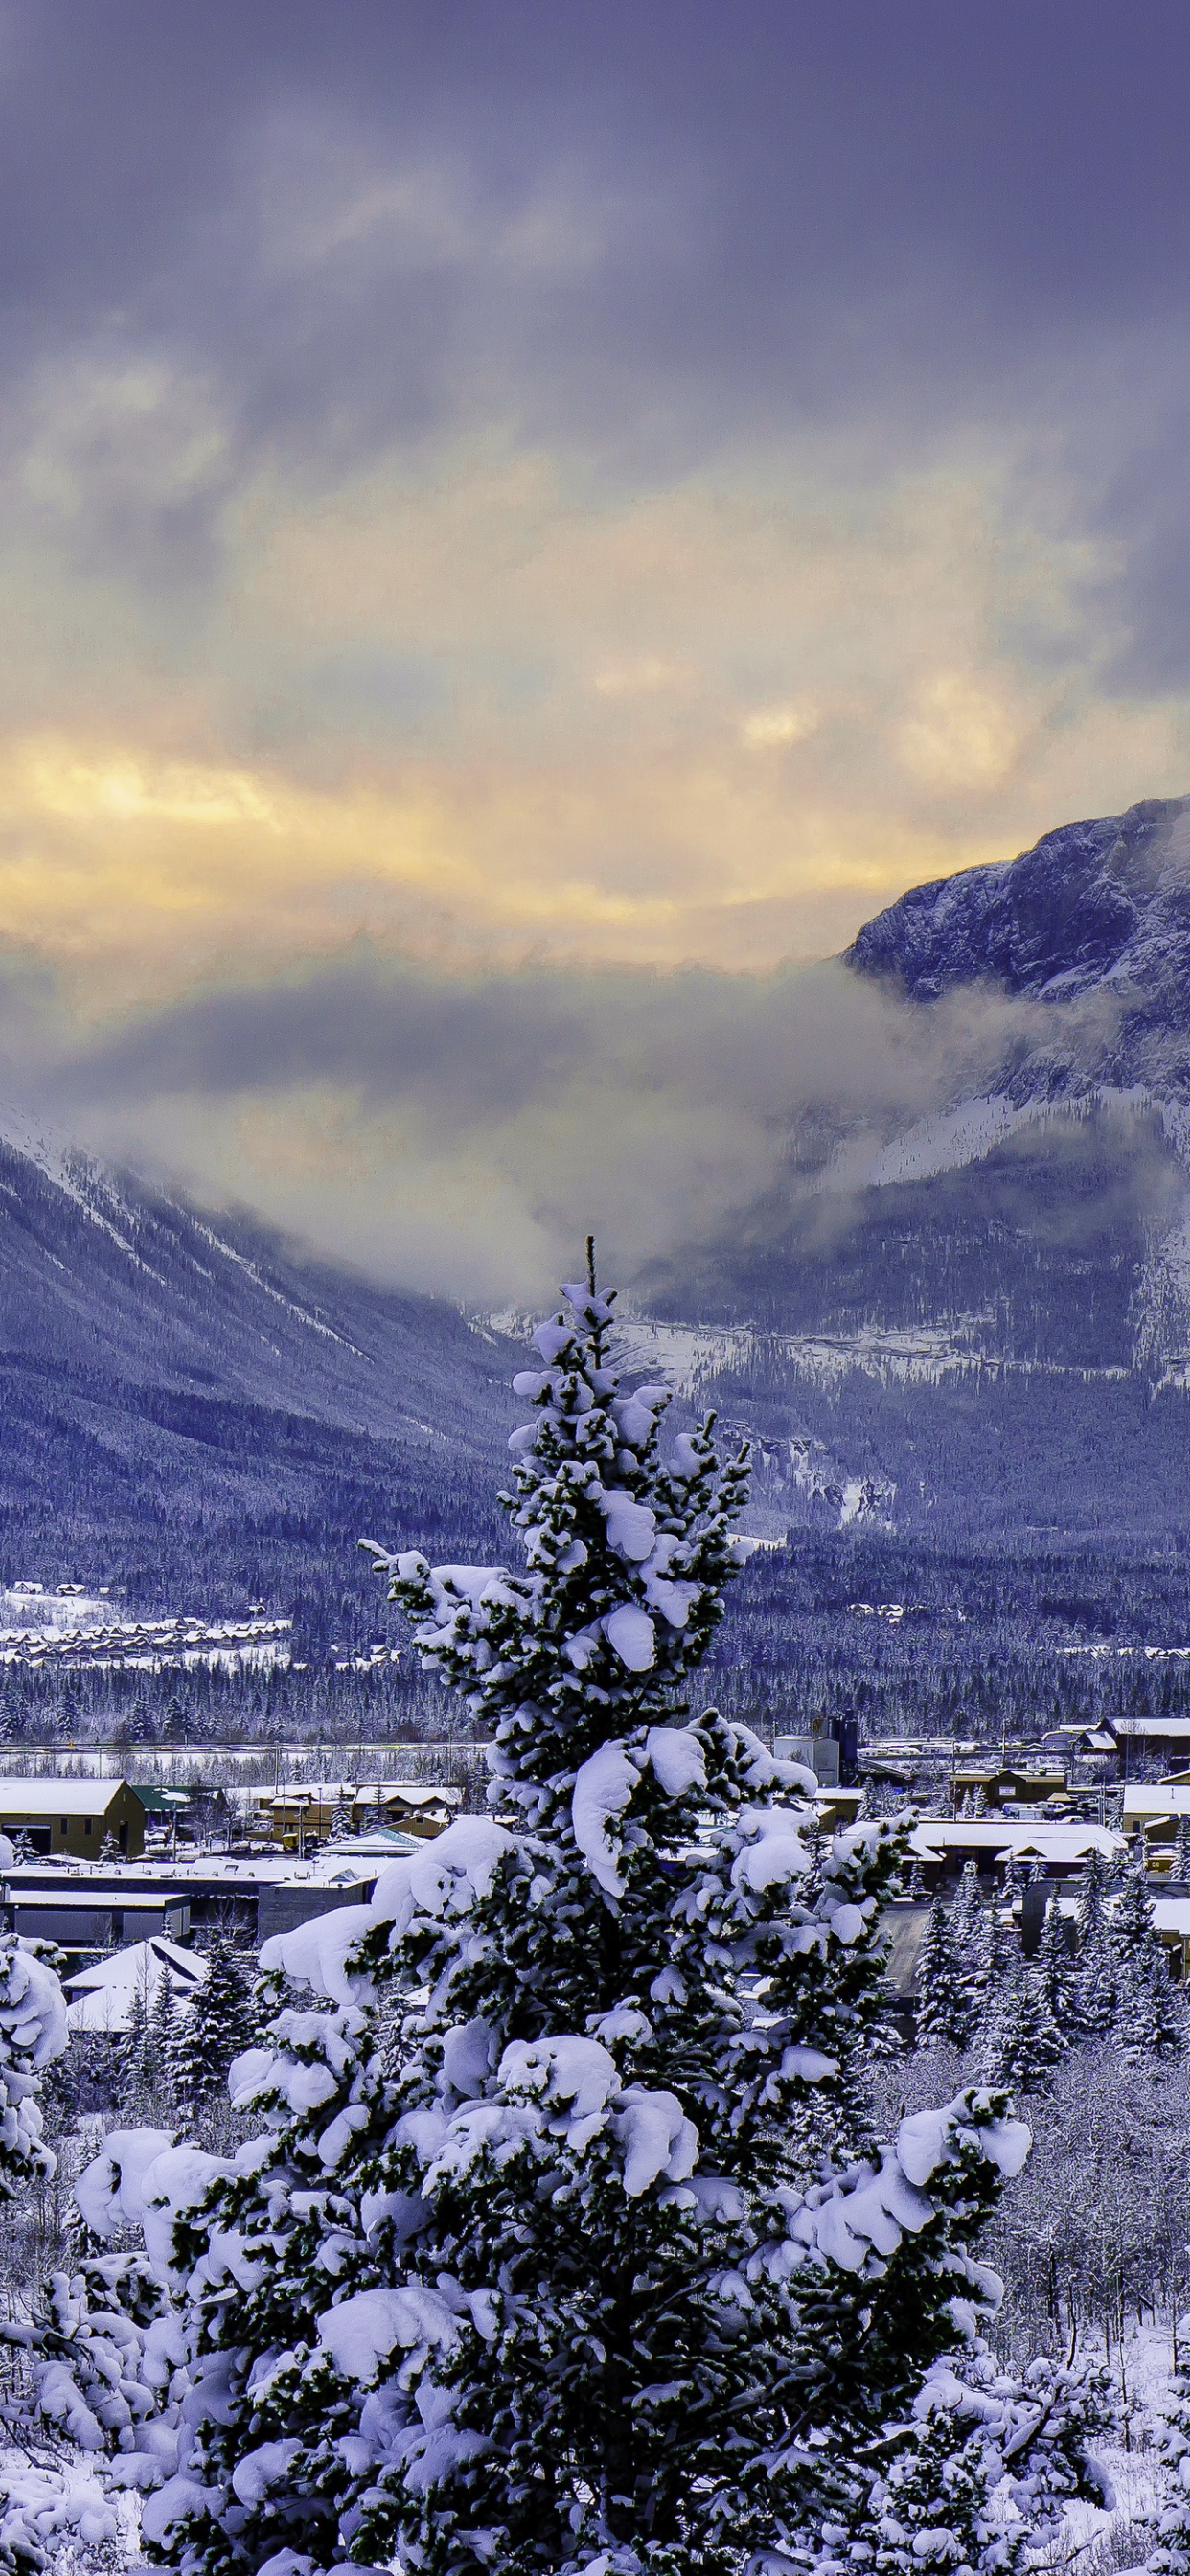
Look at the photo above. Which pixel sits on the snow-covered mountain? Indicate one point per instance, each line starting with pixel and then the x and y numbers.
pixel 979 1324
pixel 192 1411
pixel 990 1311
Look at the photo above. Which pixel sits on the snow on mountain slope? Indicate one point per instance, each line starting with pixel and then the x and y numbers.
pixel 1095 904
pixel 991 1309
pixel 188 1401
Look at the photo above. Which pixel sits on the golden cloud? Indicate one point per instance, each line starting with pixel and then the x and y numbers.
pixel 476 716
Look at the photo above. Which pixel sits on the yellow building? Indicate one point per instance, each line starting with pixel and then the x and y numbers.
pixel 73 1816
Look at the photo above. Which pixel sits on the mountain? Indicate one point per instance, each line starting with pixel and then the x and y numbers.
pixel 973 1328
pixel 197 1416
pixel 1093 905
pixel 983 1322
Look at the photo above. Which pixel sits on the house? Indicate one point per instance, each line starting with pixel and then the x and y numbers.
pixel 1146 1739
pixel 102 1998
pixel 1000 1782
pixel 1156 1812
pixel 304 1812
pixel 943 1843
pixel 1079 1740
pixel 74 1816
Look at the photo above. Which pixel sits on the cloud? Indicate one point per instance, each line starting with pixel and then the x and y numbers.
pixel 515 524
pixel 465 1134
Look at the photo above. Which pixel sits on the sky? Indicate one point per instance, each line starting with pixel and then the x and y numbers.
pixel 521 526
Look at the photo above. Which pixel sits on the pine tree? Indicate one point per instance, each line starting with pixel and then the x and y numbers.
pixel 1171 2557
pixel 991 2466
pixel 1181 1850
pixel 163 2031
pixel 1021 2042
pixel 1131 1927
pixel 1091 1909
pixel 136 2057
pixel 1149 2015
pixel 943 1990
pixel 1096 1982
pixel 1096 1994
pixel 966 1918
pixel 220 2023
pixel 1057 1973
pixel 571 2286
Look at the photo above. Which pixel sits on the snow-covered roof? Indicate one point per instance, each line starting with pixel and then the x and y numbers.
pixel 1020 1835
pixel 382 1844
pixel 365 1793
pixel 95 1900
pixel 102 1997
pixel 43 1797
pixel 1167 1730
pixel 1161 1798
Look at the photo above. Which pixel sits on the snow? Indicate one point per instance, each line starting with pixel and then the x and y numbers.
pixel 631 1635
pixel 467 2056
pixel 41 2505
pixel 774 1851
pixel 259 2470
pixel 927 2139
pixel 102 1998
pixel 657 2139
pixel 32 2012
pixel 603 1786
pixel 631 1526
pixel 109 2190
pixel 361 2333
pixel 677 1758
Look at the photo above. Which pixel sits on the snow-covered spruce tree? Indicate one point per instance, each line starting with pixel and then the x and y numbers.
pixel 1150 2018
pixel 136 2056
pixel 1056 1970
pixel 574 2294
pixel 1095 1985
pixel 943 2018
pixel 1091 1915
pixel 1181 1851
pixel 1131 1926
pixel 220 2024
pixel 992 2463
pixel 967 1912
pixel 1171 2556
pixel 37 2508
pixel 1021 2043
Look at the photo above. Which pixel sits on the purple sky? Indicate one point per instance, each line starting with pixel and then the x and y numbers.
pixel 492 494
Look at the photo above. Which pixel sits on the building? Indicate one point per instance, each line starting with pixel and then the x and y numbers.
pixel 1150 1739
pixel 102 1999
pixel 1156 1811
pixel 83 1916
pixel 943 1843
pixel 93 1908
pixel 305 1811
pixel 1001 1785
pixel 73 1817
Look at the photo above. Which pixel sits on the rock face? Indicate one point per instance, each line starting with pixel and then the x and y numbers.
pixel 1091 903
pixel 1094 924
